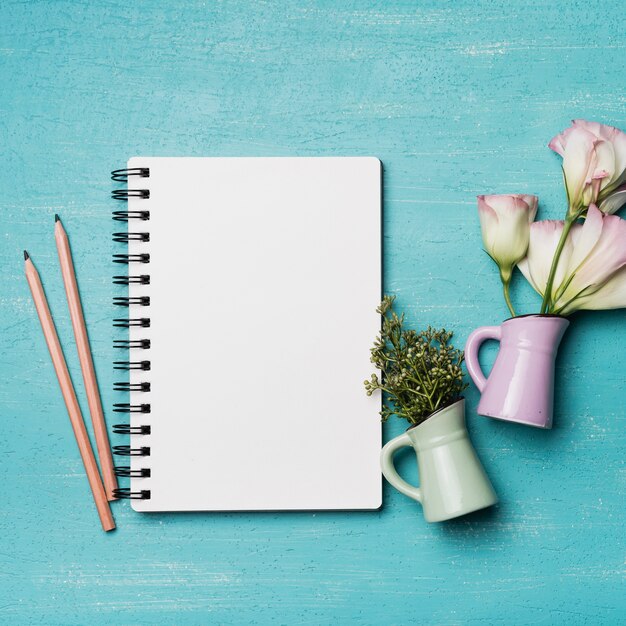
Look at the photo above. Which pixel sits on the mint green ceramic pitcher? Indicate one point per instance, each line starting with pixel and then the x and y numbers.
pixel 452 479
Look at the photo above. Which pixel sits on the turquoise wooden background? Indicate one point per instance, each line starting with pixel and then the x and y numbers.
pixel 456 99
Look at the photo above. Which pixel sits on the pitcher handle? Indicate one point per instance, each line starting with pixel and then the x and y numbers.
pixel 472 347
pixel 389 469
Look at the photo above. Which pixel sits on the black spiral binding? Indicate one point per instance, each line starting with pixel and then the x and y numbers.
pixel 128 344
pixel 138 239
pixel 126 301
pixel 123 175
pixel 125 492
pixel 126 237
pixel 125 470
pixel 126 216
pixel 132 365
pixel 142 279
pixel 127 429
pixel 124 194
pixel 126 407
pixel 127 259
pixel 130 451
pixel 125 386
pixel 127 322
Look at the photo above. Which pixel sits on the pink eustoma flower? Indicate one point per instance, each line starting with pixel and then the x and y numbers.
pixel 591 271
pixel 594 165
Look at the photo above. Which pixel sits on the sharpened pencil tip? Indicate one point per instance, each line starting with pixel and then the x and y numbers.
pixel 26 256
pixel 57 218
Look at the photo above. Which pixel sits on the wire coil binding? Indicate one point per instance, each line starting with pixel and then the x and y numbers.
pixel 132 365
pixel 124 493
pixel 126 407
pixel 136 254
pixel 130 344
pixel 126 216
pixel 127 322
pixel 124 194
pixel 142 279
pixel 125 386
pixel 130 301
pixel 127 429
pixel 126 237
pixel 127 471
pixel 124 174
pixel 127 259
pixel 130 451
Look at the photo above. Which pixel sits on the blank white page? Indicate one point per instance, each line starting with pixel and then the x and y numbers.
pixel 265 274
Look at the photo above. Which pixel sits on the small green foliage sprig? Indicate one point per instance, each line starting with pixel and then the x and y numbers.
pixel 420 371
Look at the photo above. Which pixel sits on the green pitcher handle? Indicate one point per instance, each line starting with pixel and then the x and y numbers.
pixel 389 469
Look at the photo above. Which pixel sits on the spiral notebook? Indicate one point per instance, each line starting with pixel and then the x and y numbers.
pixel 252 289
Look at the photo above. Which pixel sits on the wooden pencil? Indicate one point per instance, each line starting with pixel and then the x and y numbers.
pixel 86 360
pixel 69 394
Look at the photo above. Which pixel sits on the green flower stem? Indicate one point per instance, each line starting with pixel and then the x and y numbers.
pixel 546 304
pixel 507 296
pixel 505 277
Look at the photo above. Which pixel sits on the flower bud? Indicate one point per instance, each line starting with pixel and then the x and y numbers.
pixel 505 223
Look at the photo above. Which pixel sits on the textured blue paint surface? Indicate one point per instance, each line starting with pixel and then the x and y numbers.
pixel 456 99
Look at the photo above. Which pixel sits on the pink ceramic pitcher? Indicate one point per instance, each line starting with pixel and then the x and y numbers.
pixel 520 387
